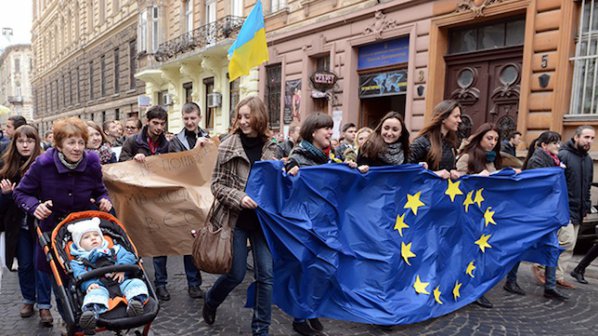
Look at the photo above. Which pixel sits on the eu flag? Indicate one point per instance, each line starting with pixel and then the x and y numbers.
pixel 399 245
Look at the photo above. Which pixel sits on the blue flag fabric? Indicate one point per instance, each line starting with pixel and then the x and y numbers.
pixel 399 245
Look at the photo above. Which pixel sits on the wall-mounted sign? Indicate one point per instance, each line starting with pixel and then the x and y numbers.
pixel 383 54
pixel 383 84
pixel 323 80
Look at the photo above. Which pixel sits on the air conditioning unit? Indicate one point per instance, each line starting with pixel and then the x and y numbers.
pixel 214 99
pixel 167 100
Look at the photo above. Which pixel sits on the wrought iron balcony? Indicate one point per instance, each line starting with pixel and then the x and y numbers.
pixel 210 34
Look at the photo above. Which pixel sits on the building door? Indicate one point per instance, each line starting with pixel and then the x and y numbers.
pixel 487 86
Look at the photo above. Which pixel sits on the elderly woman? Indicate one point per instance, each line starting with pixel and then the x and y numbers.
pixel 62 180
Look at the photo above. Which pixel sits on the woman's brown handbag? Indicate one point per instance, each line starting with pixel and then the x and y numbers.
pixel 212 249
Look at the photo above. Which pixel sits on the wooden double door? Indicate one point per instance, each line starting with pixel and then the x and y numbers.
pixel 487 85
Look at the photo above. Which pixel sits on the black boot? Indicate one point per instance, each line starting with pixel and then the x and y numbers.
pixel 209 314
pixel 484 302
pixel 513 287
pixel 554 294
pixel 303 328
pixel 577 273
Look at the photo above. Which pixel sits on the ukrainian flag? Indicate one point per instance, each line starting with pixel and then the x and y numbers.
pixel 250 48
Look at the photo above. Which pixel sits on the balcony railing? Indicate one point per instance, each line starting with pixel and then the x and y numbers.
pixel 15 99
pixel 204 36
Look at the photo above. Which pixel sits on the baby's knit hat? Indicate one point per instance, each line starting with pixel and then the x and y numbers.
pixel 80 228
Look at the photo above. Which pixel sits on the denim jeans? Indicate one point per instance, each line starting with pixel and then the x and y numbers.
pixel 161 275
pixel 262 259
pixel 550 275
pixel 36 286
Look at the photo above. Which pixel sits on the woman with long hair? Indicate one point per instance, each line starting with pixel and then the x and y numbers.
pixel 437 142
pixel 36 287
pixel 388 144
pixel 482 154
pixel 542 153
pixel 98 143
pixel 248 142
pixel 361 136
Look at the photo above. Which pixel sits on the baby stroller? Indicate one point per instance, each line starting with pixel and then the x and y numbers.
pixel 57 251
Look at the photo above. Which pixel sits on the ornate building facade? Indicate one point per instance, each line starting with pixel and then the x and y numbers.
pixel 15 80
pixel 523 64
pixel 84 60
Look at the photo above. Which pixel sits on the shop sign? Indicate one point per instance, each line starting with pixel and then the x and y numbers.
pixel 323 80
pixel 383 54
pixel 383 84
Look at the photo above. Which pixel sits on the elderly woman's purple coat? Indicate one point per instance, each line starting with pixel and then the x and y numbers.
pixel 69 190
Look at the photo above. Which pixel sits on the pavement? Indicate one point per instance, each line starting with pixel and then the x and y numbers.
pixel 512 314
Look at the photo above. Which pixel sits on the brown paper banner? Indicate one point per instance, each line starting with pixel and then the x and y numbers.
pixel 162 200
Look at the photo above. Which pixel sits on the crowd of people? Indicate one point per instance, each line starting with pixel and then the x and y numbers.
pixel 45 179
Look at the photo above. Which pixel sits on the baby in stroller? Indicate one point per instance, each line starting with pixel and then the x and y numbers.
pixel 91 251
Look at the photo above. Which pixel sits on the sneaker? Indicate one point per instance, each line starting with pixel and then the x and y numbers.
pixel 513 287
pixel 134 308
pixel 26 310
pixel 87 322
pixel 195 292
pixel 303 328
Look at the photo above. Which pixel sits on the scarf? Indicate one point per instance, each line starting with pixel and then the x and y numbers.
pixel 316 154
pixel 393 155
pixel 67 164
pixel 554 158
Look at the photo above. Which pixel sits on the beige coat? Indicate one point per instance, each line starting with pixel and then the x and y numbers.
pixel 230 177
pixel 464 159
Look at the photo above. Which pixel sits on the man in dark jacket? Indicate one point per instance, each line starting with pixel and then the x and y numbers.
pixel 287 146
pixel 509 145
pixel 579 172
pixel 12 124
pixel 151 139
pixel 192 135
pixel 348 138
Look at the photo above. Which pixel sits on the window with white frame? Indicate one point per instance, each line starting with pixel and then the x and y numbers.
pixel 584 94
pixel 276 5
pixel 142 31
pixel 155 29
pixel 188 8
pixel 236 7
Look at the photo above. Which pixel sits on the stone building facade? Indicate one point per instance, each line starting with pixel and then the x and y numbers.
pixel 85 60
pixel 15 80
pixel 523 64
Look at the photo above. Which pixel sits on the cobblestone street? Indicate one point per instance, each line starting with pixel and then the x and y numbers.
pixel 512 314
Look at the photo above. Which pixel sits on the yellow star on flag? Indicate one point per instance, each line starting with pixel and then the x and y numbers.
pixel 453 189
pixel 406 252
pixel 488 216
pixel 400 224
pixel 470 269
pixel 413 202
pixel 468 200
pixel 437 295
pixel 420 287
pixel 478 197
pixel 456 293
pixel 483 242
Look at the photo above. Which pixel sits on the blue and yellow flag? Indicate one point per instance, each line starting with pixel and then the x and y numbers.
pixel 250 49
pixel 399 245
